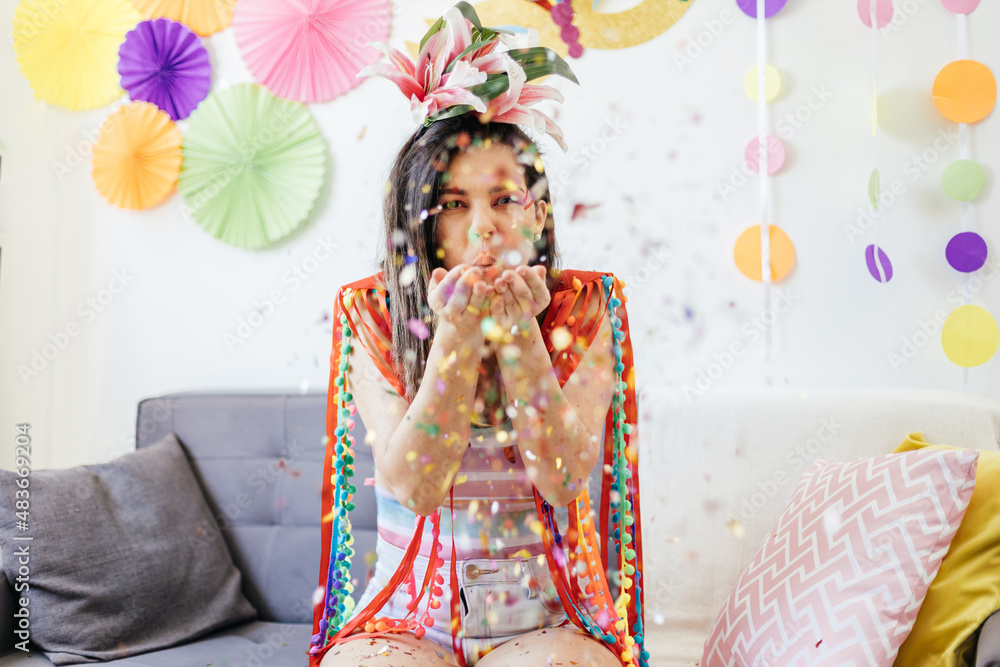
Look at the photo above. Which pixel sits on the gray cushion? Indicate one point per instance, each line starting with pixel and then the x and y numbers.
pixel 259 458
pixel 125 557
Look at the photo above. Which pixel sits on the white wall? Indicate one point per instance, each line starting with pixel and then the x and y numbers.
pixel 654 186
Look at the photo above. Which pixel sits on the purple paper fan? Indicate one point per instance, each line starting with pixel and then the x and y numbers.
pixel 163 62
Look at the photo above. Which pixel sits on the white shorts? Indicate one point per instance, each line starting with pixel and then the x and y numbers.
pixel 501 598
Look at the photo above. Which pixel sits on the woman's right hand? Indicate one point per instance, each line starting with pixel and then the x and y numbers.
pixel 460 297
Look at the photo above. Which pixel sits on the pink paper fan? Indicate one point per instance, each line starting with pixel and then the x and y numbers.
pixel 310 50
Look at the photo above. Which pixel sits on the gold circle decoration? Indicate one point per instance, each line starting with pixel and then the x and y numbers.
pixel 597 30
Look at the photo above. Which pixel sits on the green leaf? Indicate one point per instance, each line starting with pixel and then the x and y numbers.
pixel 430 32
pixel 493 87
pixel 456 110
pixel 874 188
pixel 469 12
pixel 541 61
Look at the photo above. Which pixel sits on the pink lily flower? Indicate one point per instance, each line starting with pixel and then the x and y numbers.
pixel 430 89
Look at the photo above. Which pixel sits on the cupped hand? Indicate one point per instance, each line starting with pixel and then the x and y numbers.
pixel 459 296
pixel 519 296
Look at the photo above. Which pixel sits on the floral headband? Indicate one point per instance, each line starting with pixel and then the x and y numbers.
pixel 460 69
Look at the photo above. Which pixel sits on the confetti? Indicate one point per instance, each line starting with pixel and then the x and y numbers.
pixel 561 338
pixel 408 275
pixel 510 353
pixel 430 429
pixel 418 328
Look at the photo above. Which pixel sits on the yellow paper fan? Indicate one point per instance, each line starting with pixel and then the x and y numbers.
pixel 137 156
pixel 68 50
pixel 203 16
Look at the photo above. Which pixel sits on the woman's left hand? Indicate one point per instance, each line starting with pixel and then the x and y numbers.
pixel 519 296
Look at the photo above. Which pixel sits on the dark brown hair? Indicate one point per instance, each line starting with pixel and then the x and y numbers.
pixel 411 232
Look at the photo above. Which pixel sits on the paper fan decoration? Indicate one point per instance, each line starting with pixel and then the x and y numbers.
pixel 137 156
pixel 253 165
pixel 163 62
pixel 67 50
pixel 205 17
pixel 310 50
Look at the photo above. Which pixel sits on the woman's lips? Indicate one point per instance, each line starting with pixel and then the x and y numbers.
pixel 485 260
pixel 487 266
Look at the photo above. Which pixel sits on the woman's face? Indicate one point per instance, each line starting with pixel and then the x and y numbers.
pixel 487 216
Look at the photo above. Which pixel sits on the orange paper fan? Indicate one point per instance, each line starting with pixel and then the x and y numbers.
pixel 137 156
pixel 203 16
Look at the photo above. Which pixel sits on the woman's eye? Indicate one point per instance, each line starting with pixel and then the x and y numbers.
pixel 446 206
pixel 510 200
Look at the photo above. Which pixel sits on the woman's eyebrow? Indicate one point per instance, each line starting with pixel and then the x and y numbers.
pixel 458 191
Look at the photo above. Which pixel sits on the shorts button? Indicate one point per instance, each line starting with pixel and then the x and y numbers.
pixel 471 571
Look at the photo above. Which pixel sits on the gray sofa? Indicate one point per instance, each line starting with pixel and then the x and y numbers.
pixel 259 459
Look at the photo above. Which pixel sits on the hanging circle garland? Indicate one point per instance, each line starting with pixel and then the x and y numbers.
pixel 67 50
pixel 747 253
pixel 966 252
pixel 960 6
pixel 163 62
pixel 310 50
pixel 771 7
pixel 965 91
pixel 253 165
pixel 775 154
pixel 970 336
pixel 963 180
pixel 137 156
pixel 883 12
pixel 879 265
pixel 772 83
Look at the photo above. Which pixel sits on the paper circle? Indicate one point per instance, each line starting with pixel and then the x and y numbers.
pixel 970 336
pixel 883 263
pixel 747 253
pixel 874 188
pixel 254 165
pixel 963 180
pixel 304 50
pixel 965 91
pixel 163 62
pixel 775 154
pixel 966 252
pixel 772 83
pixel 67 50
pixel 771 7
pixel 205 18
pixel 960 6
pixel 137 156
pixel 883 12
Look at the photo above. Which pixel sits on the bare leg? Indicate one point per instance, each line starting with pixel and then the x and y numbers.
pixel 552 647
pixel 396 650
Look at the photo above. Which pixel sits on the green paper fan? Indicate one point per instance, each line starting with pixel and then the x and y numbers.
pixel 253 165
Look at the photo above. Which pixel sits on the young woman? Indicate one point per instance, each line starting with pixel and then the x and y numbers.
pixel 484 377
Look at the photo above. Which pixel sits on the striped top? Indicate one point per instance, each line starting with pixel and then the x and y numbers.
pixel 495 515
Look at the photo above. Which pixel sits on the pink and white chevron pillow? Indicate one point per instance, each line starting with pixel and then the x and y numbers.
pixel 842 577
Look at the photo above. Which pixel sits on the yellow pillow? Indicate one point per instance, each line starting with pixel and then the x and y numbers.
pixel 966 589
